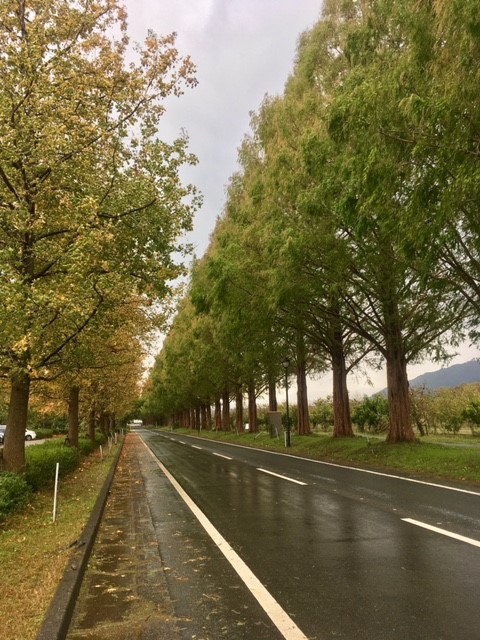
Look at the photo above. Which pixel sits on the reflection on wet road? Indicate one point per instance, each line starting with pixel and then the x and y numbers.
pixel 339 552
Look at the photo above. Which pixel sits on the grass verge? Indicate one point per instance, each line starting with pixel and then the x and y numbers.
pixel 34 550
pixel 421 458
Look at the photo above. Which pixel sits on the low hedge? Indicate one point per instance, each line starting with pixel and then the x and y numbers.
pixel 15 493
pixel 40 466
pixel 43 434
pixel 41 462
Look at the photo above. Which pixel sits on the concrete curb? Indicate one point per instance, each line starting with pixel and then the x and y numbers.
pixel 59 614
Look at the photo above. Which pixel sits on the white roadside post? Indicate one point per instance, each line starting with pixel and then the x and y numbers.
pixel 55 492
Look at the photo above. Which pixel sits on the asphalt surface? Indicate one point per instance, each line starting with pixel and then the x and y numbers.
pixel 154 573
pixel 345 555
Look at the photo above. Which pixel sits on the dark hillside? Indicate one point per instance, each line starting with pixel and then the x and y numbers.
pixel 449 377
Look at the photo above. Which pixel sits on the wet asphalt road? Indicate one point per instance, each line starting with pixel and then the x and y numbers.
pixel 336 553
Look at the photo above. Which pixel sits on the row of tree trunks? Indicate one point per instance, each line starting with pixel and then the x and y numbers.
pixel 302 392
pixel 218 414
pixel 239 409
pixel 73 413
pixel 252 408
pixel 226 410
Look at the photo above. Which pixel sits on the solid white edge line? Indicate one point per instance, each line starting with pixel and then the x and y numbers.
pixel 344 466
pixel 278 475
pixel 444 532
pixel 220 455
pixel 274 611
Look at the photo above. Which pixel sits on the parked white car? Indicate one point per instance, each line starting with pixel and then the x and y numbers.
pixel 29 434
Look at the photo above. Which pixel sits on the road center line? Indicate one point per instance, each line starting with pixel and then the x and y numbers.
pixel 282 477
pixel 221 456
pixel 443 532
pixel 277 615
pixel 194 446
pixel 360 470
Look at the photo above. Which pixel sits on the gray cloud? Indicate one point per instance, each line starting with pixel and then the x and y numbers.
pixel 243 50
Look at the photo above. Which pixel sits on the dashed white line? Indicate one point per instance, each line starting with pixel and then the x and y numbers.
pixel 277 615
pixel 360 470
pixel 221 456
pixel 194 446
pixel 278 475
pixel 443 532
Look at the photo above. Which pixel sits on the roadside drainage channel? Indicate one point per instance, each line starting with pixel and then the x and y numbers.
pixel 59 614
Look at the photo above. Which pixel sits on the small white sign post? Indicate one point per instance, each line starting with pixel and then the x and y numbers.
pixel 55 492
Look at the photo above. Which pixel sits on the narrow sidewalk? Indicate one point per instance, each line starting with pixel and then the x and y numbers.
pixel 124 593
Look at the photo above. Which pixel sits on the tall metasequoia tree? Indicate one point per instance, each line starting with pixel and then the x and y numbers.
pixel 444 121
pixel 391 302
pixel 92 201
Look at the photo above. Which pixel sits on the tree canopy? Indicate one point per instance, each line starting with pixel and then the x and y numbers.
pixel 351 227
pixel 92 207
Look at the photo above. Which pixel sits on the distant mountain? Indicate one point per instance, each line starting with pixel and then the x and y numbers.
pixel 453 376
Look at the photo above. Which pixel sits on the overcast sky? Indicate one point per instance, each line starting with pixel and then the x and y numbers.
pixel 243 50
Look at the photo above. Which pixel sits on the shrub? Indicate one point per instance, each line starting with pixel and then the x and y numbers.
pixel 321 414
pixel 41 462
pixel 471 414
pixel 371 413
pixel 43 434
pixel 14 493
pixel 86 446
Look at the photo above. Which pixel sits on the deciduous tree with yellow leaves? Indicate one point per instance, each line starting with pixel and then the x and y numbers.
pixel 91 203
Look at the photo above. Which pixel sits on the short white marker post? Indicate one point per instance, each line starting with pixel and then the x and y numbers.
pixel 55 492
pixel 101 453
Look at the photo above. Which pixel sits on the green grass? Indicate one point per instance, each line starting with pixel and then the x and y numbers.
pixel 420 458
pixel 34 550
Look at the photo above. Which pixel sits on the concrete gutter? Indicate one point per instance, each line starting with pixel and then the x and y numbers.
pixel 59 614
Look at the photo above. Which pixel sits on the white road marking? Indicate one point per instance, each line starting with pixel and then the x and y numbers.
pixel 443 532
pixel 221 456
pixel 181 442
pixel 194 446
pixel 344 466
pixel 277 615
pixel 282 477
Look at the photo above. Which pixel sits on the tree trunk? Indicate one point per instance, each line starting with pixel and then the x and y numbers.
pixel 400 422
pixel 226 411
pixel 209 416
pixel 14 444
pixel 252 408
pixel 91 425
pixel 342 422
pixel 302 400
pixel 103 423
pixel 218 414
pixel 203 416
pixel 272 396
pixel 239 409
pixel 399 415
pixel 73 402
